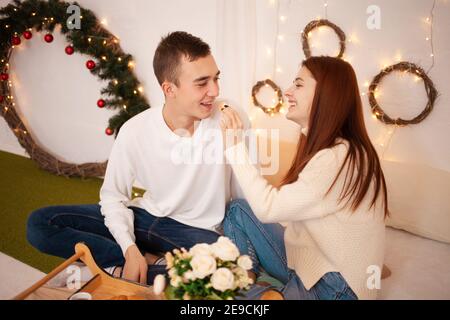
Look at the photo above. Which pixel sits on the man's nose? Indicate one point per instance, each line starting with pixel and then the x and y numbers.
pixel 213 90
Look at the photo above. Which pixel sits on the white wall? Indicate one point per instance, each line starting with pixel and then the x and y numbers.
pixel 57 95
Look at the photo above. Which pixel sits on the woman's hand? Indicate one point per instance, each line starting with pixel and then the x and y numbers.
pixel 232 127
pixel 135 268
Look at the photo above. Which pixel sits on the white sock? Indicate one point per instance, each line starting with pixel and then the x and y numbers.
pixel 110 270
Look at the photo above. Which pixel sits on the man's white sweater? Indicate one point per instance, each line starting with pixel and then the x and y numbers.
pixel 322 235
pixel 185 178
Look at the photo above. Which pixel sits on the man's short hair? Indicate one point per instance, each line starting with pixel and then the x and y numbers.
pixel 170 51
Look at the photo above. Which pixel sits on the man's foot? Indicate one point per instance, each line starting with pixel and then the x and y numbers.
pixel 155 260
pixel 272 295
pixel 151 258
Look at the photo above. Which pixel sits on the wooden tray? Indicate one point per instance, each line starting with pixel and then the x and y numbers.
pixel 102 286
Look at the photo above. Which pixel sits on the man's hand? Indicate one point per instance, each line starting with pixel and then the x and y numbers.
pixel 232 128
pixel 135 268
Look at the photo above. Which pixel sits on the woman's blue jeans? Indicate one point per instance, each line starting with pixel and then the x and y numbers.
pixel 264 243
pixel 56 230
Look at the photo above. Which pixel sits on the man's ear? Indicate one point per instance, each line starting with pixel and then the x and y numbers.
pixel 168 89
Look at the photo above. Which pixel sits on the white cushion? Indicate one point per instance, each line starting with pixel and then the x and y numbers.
pixel 419 199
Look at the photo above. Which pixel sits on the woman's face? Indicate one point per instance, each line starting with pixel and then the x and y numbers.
pixel 300 97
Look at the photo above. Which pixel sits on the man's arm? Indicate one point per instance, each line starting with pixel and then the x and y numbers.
pixel 119 219
pixel 116 191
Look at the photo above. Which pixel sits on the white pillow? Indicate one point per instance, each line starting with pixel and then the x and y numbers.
pixel 419 199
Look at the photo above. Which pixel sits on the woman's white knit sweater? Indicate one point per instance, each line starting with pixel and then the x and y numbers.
pixel 322 235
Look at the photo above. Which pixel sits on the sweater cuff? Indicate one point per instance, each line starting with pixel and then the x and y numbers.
pixel 125 241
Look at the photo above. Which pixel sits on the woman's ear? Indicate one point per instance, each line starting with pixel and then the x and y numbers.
pixel 168 89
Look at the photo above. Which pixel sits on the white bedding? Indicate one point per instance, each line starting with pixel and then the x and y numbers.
pixel 420 267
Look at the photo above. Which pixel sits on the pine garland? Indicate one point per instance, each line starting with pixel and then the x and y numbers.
pixel 111 64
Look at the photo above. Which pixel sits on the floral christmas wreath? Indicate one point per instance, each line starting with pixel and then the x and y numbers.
pixel 402 67
pixel 268 83
pixel 108 62
pixel 319 23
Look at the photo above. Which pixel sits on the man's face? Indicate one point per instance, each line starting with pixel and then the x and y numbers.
pixel 198 87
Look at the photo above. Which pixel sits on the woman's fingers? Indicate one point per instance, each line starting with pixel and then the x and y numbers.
pixel 232 119
pixel 228 121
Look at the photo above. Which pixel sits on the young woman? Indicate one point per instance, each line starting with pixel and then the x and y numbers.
pixel 332 202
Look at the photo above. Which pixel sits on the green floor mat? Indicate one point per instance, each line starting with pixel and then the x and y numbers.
pixel 24 188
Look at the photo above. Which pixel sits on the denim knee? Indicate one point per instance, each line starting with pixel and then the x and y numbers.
pixel 236 209
pixel 36 221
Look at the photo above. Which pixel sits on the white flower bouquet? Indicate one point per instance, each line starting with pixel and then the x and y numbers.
pixel 205 272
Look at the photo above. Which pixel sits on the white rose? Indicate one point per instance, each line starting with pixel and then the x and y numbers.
pixel 201 249
pixel 225 250
pixel 169 260
pixel 186 296
pixel 176 281
pixel 203 265
pixel 222 279
pixel 159 284
pixel 188 276
pixel 245 262
pixel 172 272
pixel 242 279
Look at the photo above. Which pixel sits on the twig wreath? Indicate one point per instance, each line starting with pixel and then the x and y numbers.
pixel 409 68
pixel 268 83
pixel 319 23
pixel 111 64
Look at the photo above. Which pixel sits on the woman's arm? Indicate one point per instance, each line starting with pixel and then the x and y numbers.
pixel 301 200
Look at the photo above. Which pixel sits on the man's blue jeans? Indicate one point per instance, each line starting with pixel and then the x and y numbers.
pixel 56 230
pixel 264 243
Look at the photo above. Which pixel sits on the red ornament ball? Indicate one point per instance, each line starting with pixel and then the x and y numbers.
pixel 1 99
pixel 69 50
pixel 90 64
pixel 48 37
pixel 109 131
pixel 15 40
pixel 4 76
pixel 101 103
pixel 27 35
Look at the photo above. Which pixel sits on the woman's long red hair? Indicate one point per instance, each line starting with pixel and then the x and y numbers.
pixel 336 111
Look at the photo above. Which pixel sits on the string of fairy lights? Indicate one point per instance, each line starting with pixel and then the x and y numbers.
pixel 123 88
pixel 353 40
pixel 90 64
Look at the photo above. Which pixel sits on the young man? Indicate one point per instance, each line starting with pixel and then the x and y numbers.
pixel 184 202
